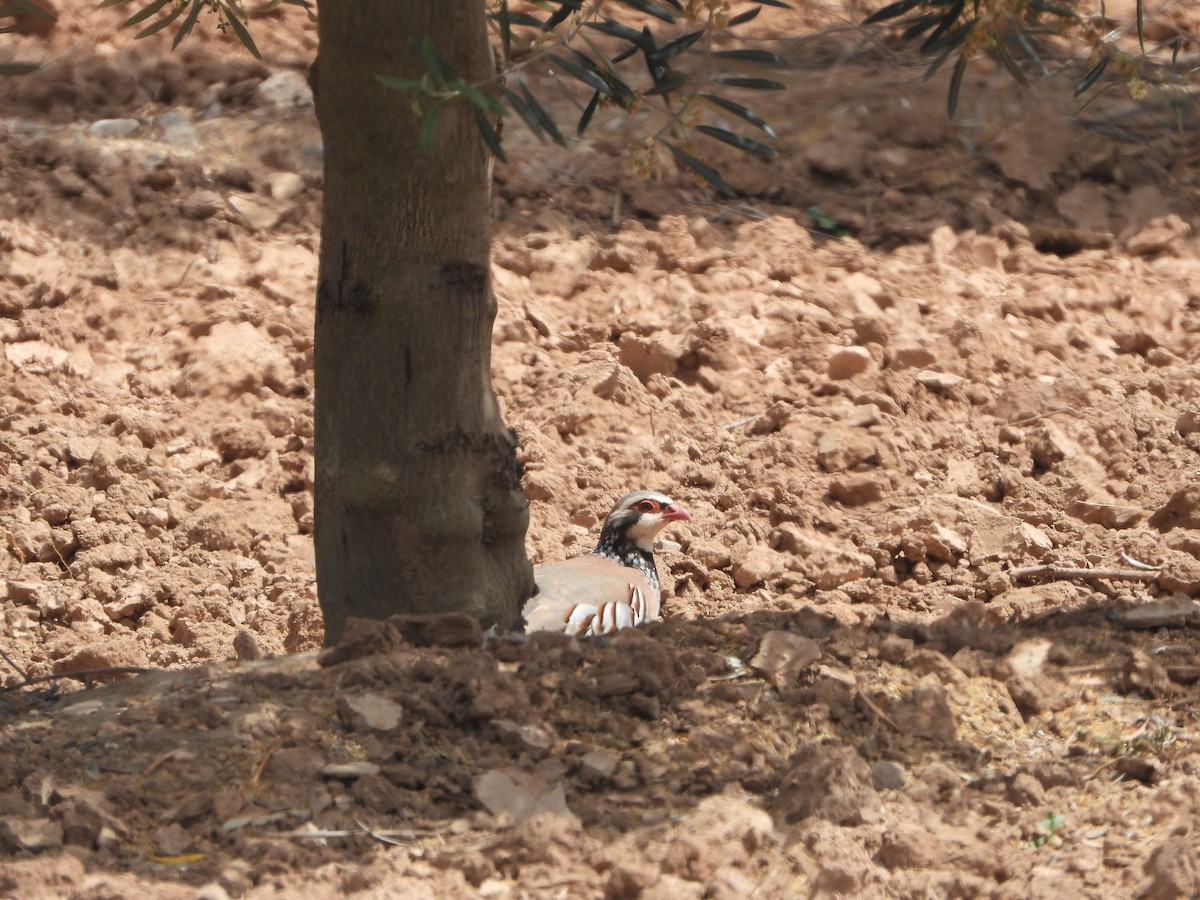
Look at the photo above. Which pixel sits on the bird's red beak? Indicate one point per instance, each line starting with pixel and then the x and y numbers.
pixel 676 513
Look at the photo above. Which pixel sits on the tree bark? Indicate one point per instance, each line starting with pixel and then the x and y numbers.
pixel 418 497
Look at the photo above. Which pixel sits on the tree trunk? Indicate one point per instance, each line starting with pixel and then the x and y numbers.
pixel 418 496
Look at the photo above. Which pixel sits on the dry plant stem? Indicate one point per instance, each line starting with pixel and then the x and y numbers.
pixel 8 659
pixel 1059 572
pixel 80 675
pixel 877 712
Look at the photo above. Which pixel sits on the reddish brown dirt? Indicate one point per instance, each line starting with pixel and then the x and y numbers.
pixel 861 688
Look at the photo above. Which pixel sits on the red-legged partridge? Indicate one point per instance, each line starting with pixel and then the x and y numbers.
pixel 616 585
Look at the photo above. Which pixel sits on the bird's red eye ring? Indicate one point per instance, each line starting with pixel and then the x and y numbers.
pixel 648 506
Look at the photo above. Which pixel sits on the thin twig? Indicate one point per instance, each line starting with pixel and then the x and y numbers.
pixel 1045 415
pixel 8 659
pixel 79 675
pixel 879 713
pixel 1063 572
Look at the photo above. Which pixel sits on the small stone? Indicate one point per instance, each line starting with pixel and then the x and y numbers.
pixel 759 565
pixel 913 356
pixel 253 211
pixel 245 645
pixel 783 655
pixel 350 770
pixel 175 129
pixel 857 488
pixel 887 775
pixel 846 362
pixel 109 128
pixel 601 762
pixel 925 711
pixel 284 90
pixel 1026 792
pixel 285 185
pixel 938 382
pixel 202 205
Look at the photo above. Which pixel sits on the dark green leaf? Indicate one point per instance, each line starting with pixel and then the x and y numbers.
pixel 565 8
pixel 625 54
pixel 778 4
pixel 949 39
pixel 522 109
pixel 740 111
pixel 709 174
pixel 428 133
pixel 146 13
pixel 758 57
pixel 231 15
pixel 433 65
pixel 666 86
pixel 107 3
pixel 891 11
pixel 918 26
pixel 650 8
pixel 188 23
pixel 956 78
pixel 948 19
pixel 489 135
pixel 1141 28
pixel 748 15
pixel 587 76
pixel 400 84
pixel 1011 64
pixel 1092 77
pixel 617 30
pixel 673 49
pixel 543 117
pixel 505 23
pixel 1021 39
pixel 588 112
pixel 481 99
pixel 17 68
pixel 742 142
pixel 25 6
pixel 160 24
pixel 753 84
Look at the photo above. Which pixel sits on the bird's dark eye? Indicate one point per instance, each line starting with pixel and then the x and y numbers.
pixel 648 506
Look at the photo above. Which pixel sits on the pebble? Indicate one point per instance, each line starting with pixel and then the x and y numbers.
pixel 109 128
pixel 846 362
pixel 284 90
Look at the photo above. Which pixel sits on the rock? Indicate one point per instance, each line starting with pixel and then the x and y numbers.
pixel 284 90
pixel 252 211
pixel 925 711
pixel 858 488
pixel 1028 658
pixel 202 204
pixel 245 645
pixel 1158 236
pixel 1175 611
pixel 109 128
pixel 1026 792
pixel 830 782
pixel 710 554
pixel 843 447
pixel 36 356
pixel 938 382
pixel 759 564
pixel 234 358
pixel 1007 538
pixel 1173 869
pixel 176 130
pixel 240 440
pixel 19 833
pixel 522 796
pixel 822 560
pixel 888 776
pixel 913 356
pixel 846 362
pixel 1182 510
pixel 285 185
pixel 783 655
pixel 601 762
pixel 350 770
